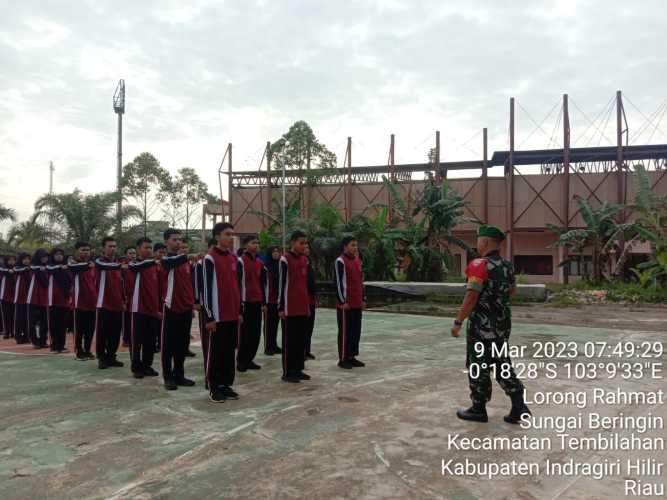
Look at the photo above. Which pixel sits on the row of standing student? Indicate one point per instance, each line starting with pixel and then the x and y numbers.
pixel 95 298
pixel 234 294
pixel 237 290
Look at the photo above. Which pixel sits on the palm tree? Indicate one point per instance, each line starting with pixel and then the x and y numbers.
pixel 7 213
pixel 27 235
pixel 600 234
pixel 78 216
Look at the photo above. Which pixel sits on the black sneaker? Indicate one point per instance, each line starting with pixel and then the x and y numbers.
pixel 309 355
pixel 81 357
pixel 356 363
pixel 189 354
pixel 253 366
pixel 138 374
pixel 216 397
pixel 115 363
pixel 270 352
pixel 228 392
pixel 102 365
pixel 303 376
pixel 291 379
pixel 150 372
pixel 170 384
pixel 89 355
pixel 347 364
pixel 241 368
pixel 184 382
pixel 278 350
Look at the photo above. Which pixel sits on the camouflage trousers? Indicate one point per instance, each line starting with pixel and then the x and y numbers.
pixel 489 356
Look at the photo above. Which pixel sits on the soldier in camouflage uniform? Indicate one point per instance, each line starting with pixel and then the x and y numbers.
pixel 490 285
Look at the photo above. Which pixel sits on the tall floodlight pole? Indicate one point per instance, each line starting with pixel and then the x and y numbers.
pixel 51 170
pixel 119 109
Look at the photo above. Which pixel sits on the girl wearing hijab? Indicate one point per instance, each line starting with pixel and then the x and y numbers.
pixel 38 300
pixel 272 260
pixel 59 291
pixel 23 276
pixel 7 291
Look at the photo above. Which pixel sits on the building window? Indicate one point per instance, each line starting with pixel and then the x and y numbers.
pixel 541 265
pixel 580 265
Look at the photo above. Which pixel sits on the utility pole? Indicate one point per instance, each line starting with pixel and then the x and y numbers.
pixel 566 182
pixel 51 170
pixel 119 109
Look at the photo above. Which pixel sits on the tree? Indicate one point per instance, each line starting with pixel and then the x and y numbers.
pixel 186 192
pixel 27 235
pixel 299 145
pixel 601 233
pixel 146 181
pixel 79 216
pixel 7 213
pixel 650 222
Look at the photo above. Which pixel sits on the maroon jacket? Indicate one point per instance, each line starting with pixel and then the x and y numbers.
pixel 293 296
pixel 145 297
pixel 177 283
pixel 84 285
pixel 255 279
pixel 60 284
pixel 223 286
pixel 8 286
pixel 110 293
pixel 38 289
pixel 349 282
pixel 23 275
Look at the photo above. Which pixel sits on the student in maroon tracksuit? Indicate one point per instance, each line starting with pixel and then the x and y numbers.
pixel 59 291
pixel 312 301
pixel 272 320
pixel 351 301
pixel 21 322
pixel 7 291
pixel 198 278
pixel 130 254
pixel 144 303
pixel 38 300
pixel 294 307
pixel 254 305
pixel 110 305
pixel 223 281
pixel 185 249
pixel 178 302
pixel 84 299
pixel 159 251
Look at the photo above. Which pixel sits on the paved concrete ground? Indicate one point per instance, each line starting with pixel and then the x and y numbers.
pixel 68 430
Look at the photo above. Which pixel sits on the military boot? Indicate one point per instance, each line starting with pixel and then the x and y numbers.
pixel 519 409
pixel 476 413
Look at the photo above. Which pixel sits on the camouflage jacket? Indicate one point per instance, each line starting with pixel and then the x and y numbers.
pixel 493 278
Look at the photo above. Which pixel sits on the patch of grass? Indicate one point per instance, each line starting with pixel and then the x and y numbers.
pixel 563 301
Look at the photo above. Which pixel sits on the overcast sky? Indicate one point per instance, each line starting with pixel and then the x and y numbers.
pixel 200 74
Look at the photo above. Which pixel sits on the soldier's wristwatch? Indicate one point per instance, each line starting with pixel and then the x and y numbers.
pixel 457 322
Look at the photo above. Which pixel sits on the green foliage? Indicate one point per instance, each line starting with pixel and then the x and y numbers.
pixel 146 181
pixel 601 233
pixel 298 148
pixel 185 193
pixel 7 213
pixel 77 216
pixel 27 236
